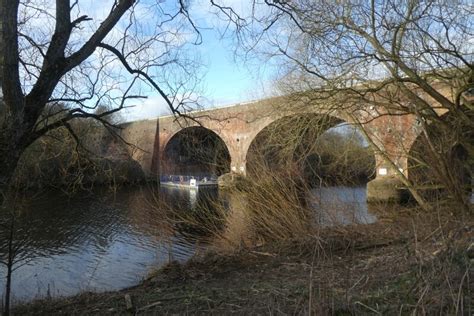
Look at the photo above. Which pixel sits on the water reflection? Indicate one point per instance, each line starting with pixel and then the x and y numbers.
pixel 110 241
pixel 94 242
pixel 341 205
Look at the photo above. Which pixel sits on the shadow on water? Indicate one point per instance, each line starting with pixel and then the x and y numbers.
pixel 104 241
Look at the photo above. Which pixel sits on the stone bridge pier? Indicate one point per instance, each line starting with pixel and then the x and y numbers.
pixel 237 145
pixel 392 138
pixel 238 159
pixel 387 186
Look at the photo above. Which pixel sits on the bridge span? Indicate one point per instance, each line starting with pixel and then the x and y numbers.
pixel 238 126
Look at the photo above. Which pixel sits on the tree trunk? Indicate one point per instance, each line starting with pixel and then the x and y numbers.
pixel 12 146
pixel 6 309
pixel 9 164
pixel 9 158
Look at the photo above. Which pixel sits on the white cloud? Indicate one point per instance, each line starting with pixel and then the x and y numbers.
pixel 149 108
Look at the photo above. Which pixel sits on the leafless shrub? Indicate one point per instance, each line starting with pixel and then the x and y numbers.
pixel 271 203
pixel 390 58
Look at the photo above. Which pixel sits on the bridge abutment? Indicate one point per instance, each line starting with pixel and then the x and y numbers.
pixel 387 185
pixel 385 189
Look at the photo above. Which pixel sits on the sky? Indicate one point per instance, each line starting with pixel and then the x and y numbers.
pixel 226 79
pixel 224 82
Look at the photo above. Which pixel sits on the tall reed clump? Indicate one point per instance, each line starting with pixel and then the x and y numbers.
pixel 270 203
pixel 269 208
pixel 252 212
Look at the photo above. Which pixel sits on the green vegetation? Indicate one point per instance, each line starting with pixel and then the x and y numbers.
pixel 320 149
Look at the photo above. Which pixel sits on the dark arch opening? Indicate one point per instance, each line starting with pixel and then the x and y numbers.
pixel 442 144
pixel 322 150
pixel 195 151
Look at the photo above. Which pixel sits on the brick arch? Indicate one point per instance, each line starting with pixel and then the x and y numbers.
pixel 238 125
pixel 337 119
pixel 176 133
pixel 257 127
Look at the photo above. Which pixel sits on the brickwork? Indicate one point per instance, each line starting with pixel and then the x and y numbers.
pixel 240 124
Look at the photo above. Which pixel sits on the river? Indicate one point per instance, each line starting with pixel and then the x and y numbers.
pixel 109 241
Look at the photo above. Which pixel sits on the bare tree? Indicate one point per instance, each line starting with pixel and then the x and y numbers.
pixel 402 58
pixel 93 58
pixel 107 54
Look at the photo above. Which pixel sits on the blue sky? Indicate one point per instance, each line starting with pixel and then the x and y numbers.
pixel 225 80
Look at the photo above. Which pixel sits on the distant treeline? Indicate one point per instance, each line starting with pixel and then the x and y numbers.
pixel 340 159
pixel 76 157
pixel 330 158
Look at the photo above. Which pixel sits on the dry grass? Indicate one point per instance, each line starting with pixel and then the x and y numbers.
pixel 270 208
pixel 267 209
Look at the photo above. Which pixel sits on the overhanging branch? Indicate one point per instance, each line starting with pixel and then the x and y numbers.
pixel 132 71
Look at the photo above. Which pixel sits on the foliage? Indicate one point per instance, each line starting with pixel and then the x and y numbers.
pixel 340 159
pixel 312 149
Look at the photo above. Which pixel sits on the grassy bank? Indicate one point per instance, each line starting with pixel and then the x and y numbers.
pixel 407 262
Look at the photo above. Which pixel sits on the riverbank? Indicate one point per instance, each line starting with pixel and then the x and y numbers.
pixel 407 261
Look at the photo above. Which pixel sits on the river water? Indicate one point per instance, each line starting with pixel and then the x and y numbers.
pixel 109 241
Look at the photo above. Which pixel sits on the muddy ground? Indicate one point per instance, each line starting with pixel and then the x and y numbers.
pixel 408 262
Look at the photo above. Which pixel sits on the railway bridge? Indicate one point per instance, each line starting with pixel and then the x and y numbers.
pixel 229 133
